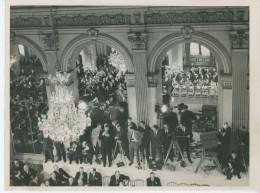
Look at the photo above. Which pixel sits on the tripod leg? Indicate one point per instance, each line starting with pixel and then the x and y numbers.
pixel 217 162
pixel 168 152
pixel 201 160
pixel 114 154
pixel 179 149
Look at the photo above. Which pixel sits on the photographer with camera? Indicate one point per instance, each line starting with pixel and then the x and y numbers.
pixel 106 137
pixel 183 136
pixel 156 142
pixel 167 135
pixel 187 117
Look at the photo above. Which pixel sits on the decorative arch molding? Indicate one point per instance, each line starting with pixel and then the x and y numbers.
pixel 72 50
pixel 19 39
pixel 219 51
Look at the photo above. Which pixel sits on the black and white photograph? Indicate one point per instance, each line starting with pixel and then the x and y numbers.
pixel 133 96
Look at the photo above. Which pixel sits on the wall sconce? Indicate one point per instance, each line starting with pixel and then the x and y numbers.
pixel 152 78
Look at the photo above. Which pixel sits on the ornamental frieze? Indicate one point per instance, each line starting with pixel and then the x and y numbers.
pixel 188 17
pixel 173 17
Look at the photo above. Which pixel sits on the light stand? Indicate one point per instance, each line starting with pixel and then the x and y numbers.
pixel 121 151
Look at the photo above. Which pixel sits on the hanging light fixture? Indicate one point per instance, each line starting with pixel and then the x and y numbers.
pixel 64 121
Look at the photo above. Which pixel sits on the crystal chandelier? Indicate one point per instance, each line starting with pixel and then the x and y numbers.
pixel 63 122
pixel 116 60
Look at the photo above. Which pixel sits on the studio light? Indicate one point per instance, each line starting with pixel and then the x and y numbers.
pixel 82 105
pixel 164 109
pixel 172 99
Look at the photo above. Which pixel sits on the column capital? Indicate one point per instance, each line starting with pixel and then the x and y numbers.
pixel 138 39
pixel 226 80
pixel 239 39
pixel 50 41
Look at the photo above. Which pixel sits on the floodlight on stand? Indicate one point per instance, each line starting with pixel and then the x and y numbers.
pixel 82 105
pixel 164 109
pixel 172 99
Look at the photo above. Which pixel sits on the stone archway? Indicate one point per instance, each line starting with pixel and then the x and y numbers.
pixel 218 50
pixel 223 61
pixel 18 39
pixel 72 50
pixel 74 47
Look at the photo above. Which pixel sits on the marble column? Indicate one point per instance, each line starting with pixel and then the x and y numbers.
pixel 225 99
pixel 49 41
pixel 131 96
pixel 240 59
pixel 139 40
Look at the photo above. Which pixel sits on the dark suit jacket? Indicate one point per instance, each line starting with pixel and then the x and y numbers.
pixel 27 176
pixel 32 183
pixel 187 117
pixel 114 182
pixel 95 181
pixel 156 141
pixel 156 182
pixel 67 183
pixel 18 182
pixel 47 143
pixel 53 183
pixel 172 119
pixel 85 177
pixel 62 175
pixel 126 125
pixel 146 134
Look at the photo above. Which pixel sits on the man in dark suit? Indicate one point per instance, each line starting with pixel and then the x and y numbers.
pixel 183 136
pixel 61 174
pixel 171 119
pixel 54 181
pixel 95 178
pixel 135 140
pixel 145 145
pixel 153 181
pixel 18 179
pixel 167 138
pixel 60 148
pixel 129 123
pixel 83 175
pixel 48 148
pixel 17 166
pixel 224 138
pixel 186 118
pixel 106 137
pixel 34 181
pixel 156 142
pixel 27 173
pixel 70 182
pixel 118 178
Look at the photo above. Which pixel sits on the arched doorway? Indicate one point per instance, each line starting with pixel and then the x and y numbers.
pixel 104 46
pixel 222 60
pixel 28 95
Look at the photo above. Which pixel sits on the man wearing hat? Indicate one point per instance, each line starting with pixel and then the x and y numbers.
pixel 135 140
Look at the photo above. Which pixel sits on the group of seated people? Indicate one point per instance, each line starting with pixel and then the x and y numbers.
pixel 102 82
pixel 28 100
pixel 23 175
pixel 197 78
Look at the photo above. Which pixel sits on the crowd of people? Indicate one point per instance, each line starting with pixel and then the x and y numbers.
pixel 193 78
pixel 103 82
pixel 24 175
pixel 28 100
